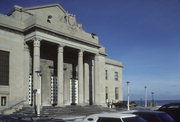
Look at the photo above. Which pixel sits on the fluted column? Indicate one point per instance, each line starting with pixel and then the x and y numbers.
pixel 37 73
pixel 60 75
pixel 80 77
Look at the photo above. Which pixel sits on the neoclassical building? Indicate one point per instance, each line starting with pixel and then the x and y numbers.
pixel 47 59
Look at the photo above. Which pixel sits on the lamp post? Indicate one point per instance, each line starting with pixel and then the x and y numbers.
pixel 145 97
pixel 152 98
pixel 37 94
pixel 128 108
pixel 35 106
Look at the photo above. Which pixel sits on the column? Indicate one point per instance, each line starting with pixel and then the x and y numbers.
pixel 37 73
pixel 60 75
pixel 96 80
pixel 92 80
pixel 86 82
pixel 80 77
pixel 26 72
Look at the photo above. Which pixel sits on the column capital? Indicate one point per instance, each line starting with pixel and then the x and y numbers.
pixel 60 48
pixel 61 45
pixel 37 41
pixel 80 53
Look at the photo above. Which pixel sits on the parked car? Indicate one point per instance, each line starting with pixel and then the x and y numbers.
pixel 12 118
pixel 49 120
pixel 173 109
pixel 123 104
pixel 27 118
pixel 113 117
pixel 152 116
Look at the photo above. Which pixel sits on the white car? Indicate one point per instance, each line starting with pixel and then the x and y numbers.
pixel 113 117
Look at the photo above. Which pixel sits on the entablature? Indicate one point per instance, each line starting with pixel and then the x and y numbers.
pixel 63 41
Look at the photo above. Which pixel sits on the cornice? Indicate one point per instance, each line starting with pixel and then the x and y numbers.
pixel 13 29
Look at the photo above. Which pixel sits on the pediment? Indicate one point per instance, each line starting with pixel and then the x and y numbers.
pixel 55 13
pixel 54 10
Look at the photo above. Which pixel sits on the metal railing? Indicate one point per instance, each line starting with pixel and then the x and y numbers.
pixel 15 107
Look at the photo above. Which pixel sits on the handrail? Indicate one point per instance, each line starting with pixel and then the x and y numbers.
pixel 12 106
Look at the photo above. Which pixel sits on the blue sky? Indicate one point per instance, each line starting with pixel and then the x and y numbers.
pixel 143 34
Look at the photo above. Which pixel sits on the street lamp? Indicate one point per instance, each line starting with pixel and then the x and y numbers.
pixel 152 98
pixel 128 108
pixel 35 106
pixel 37 93
pixel 145 97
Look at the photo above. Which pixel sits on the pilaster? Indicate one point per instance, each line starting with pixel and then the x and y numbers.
pixel 26 71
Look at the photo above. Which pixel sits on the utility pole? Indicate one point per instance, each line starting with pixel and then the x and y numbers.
pixel 145 97
pixel 128 108
pixel 152 99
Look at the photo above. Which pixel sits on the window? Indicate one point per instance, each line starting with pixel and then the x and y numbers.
pixel 134 119
pixel 116 76
pixel 106 92
pixel 104 119
pixel 106 74
pixel 4 68
pixel 3 100
pixel 173 107
pixel 116 93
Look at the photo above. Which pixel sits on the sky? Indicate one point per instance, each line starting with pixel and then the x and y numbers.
pixel 142 34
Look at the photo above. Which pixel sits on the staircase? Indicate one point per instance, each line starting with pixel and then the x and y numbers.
pixel 67 111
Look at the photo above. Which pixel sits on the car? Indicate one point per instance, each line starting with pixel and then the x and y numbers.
pixel 75 119
pixel 113 117
pixel 49 120
pixel 173 109
pixel 27 118
pixel 123 104
pixel 12 118
pixel 152 116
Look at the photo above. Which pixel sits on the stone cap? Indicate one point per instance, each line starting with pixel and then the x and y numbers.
pixel 113 62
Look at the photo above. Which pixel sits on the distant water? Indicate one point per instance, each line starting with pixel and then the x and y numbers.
pixel 157 102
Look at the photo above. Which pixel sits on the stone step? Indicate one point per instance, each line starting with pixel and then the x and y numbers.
pixel 67 110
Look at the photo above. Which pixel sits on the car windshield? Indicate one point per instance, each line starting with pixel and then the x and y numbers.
pixel 134 119
pixel 166 118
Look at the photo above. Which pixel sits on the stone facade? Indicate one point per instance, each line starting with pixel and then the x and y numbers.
pixel 53 61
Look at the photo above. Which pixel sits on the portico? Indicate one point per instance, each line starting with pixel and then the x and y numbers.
pixel 70 68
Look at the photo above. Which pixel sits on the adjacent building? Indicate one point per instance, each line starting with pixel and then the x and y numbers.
pixel 47 59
